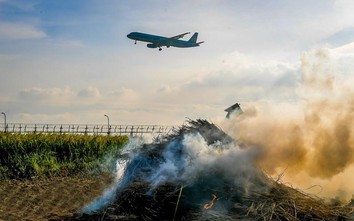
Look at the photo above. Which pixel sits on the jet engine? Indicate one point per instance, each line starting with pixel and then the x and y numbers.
pixel 151 46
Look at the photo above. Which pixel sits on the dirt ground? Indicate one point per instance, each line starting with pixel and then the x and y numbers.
pixel 48 198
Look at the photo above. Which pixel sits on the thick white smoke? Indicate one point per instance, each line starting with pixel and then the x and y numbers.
pixel 184 162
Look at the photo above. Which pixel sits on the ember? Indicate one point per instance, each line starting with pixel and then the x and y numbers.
pixel 211 203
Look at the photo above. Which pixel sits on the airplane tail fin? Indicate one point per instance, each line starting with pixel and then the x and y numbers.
pixel 194 38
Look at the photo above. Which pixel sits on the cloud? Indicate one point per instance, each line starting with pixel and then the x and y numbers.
pixel 37 93
pixel 245 57
pixel 341 37
pixel 16 31
pixel 240 71
pixel 347 48
pixel 59 118
pixel 125 95
pixel 65 43
pixel 241 76
pixel 89 92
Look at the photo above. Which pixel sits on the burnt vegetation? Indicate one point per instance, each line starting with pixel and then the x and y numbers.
pixel 241 195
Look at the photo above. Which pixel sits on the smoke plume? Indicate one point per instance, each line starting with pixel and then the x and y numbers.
pixel 310 139
pixel 200 157
pixel 313 137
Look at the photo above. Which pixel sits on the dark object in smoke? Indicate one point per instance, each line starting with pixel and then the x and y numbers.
pixel 265 199
pixel 233 109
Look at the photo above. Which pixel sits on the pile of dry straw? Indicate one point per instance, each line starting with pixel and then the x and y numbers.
pixel 212 196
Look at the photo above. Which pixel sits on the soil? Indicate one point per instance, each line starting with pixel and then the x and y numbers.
pixel 43 199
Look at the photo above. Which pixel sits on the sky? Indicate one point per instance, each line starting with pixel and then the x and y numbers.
pixel 71 62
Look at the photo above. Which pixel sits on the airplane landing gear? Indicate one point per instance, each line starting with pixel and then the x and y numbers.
pixel 135 42
pixel 160 49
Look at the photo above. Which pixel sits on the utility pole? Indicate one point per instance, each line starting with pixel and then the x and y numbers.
pixel 5 125
pixel 108 127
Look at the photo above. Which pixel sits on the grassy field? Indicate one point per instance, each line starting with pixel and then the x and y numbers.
pixel 31 156
pixel 47 175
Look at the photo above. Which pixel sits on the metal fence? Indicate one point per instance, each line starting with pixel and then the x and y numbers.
pixel 86 129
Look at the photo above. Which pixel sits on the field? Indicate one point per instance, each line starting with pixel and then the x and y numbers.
pixel 47 175
pixel 42 199
pixel 53 176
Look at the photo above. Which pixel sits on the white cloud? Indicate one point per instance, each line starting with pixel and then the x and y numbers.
pixel 240 76
pixel 21 5
pixel 15 31
pixel 346 49
pixel 165 88
pixel 38 94
pixel 60 118
pixel 89 92
pixel 65 43
pixel 125 95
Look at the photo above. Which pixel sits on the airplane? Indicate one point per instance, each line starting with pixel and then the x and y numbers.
pixel 159 41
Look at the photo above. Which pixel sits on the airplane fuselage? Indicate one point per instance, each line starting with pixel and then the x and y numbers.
pixel 159 41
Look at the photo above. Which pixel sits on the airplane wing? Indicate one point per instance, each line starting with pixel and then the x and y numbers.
pixel 178 36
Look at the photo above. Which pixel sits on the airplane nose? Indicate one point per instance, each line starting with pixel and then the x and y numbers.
pixel 129 35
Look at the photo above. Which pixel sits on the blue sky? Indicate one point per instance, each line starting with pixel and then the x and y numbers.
pixel 71 62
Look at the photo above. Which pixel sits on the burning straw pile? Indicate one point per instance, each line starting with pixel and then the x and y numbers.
pixel 201 173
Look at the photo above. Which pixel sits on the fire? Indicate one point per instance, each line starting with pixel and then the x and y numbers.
pixel 211 203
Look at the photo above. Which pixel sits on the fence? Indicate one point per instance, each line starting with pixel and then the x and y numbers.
pixel 86 129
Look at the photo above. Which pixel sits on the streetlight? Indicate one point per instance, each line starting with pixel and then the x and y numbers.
pixel 108 132
pixel 5 129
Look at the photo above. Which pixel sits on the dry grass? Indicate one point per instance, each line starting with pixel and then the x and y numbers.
pixel 279 203
pixel 286 203
pixel 45 198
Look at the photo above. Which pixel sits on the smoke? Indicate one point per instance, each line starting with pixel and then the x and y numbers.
pixel 312 139
pixel 108 195
pixel 189 159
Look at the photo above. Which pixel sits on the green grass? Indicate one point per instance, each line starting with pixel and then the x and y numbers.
pixel 28 156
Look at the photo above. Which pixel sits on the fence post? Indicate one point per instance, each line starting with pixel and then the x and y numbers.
pixel 131 131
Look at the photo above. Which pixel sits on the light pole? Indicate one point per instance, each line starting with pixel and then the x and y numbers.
pixel 108 131
pixel 5 129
